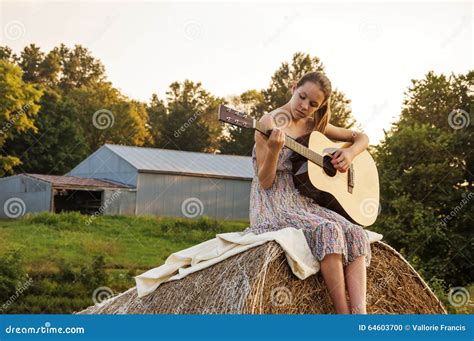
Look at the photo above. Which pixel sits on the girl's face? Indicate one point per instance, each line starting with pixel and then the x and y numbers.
pixel 305 100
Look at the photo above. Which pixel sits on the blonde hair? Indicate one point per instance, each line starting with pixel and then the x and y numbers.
pixel 322 115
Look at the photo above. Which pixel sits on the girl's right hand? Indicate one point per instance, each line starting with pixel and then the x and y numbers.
pixel 276 140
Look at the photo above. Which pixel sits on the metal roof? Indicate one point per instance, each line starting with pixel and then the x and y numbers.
pixel 62 181
pixel 184 162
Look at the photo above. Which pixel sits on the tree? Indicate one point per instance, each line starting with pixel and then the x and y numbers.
pixel 278 92
pixel 240 141
pixel 57 146
pixel 106 116
pixel 156 119
pixel 78 67
pixel 7 54
pixel 190 123
pixel 445 102
pixel 62 67
pixel 17 112
pixel 426 183
pixel 30 60
pixel 50 68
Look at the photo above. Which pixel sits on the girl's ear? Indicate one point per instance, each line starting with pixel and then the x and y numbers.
pixel 293 87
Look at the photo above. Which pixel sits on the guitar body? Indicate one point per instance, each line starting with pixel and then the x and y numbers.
pixel 359 202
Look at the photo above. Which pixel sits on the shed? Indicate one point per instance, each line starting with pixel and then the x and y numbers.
pixel 23 193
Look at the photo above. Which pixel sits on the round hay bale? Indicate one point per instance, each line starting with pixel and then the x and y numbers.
pixel 259 281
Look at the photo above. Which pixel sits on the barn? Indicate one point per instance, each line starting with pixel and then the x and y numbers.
pixel 119 179
pixel 23 193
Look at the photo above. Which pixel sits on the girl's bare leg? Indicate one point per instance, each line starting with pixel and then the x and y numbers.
pixel 333 274
pixel 356 281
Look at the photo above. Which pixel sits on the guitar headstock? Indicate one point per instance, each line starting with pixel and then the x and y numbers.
pixel 234 117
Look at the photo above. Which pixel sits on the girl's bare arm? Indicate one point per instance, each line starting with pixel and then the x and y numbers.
pixel 267 151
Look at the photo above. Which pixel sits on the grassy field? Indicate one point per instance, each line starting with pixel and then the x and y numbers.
pixel 67 258
pixel 53 263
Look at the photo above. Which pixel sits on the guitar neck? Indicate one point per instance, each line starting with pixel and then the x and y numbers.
pixel 292 144
pixel 243 120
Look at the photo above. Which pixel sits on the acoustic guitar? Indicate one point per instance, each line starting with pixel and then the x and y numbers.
pixel 353 194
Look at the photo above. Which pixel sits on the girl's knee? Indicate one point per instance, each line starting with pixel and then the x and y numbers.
pixel 332 257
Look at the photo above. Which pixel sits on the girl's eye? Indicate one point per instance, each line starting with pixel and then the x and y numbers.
pixel 314 105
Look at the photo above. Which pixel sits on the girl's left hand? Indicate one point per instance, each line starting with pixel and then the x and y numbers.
pixel 341 159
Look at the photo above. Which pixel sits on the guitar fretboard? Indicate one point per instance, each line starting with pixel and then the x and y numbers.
pixel 293 145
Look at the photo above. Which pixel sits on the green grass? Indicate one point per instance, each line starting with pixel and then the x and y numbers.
pixel 69 255
pixel 126 242
pixel 58 252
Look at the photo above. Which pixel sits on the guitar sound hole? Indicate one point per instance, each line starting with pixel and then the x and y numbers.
pixel 328 167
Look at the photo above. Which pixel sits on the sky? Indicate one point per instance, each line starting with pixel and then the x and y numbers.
pixel 371 50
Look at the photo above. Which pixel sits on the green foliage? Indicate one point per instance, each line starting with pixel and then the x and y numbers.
pixel 65 291
pixel 425 169
pixel 157 112
pixel 106 116
pixel 278 92
pixel 61 144
pixel 81 111
pixel 62 67
pixel 18 110
pixel 240 141
pixel 11 275
pixel 190 121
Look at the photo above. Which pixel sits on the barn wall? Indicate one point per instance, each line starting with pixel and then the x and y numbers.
pixel 20 195
pixel 105 164
pixel 121 202
pixel 166 194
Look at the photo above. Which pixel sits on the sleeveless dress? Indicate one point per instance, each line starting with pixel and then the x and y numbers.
pixel 283 206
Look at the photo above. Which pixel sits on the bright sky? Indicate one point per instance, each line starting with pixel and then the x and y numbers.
pixel 371 50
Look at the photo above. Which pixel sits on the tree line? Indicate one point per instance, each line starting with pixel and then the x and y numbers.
pixel 61 107
pixel 58 107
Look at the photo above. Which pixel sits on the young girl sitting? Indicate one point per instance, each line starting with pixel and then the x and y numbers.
pixel 342 247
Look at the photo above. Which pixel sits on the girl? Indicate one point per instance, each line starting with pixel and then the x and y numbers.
pixel 342 247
